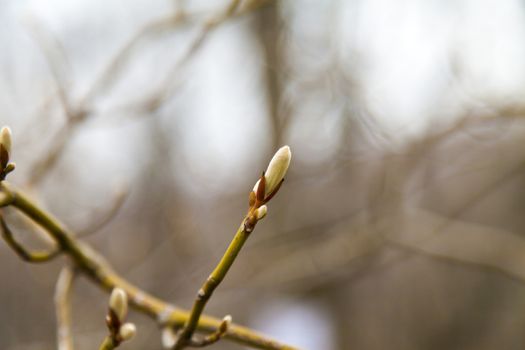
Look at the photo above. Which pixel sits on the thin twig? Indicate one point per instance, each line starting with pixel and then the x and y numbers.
pixel 63 308
pixel 213 337
pixel 23 253
pixel 107 344
pixel 60 142
pixel 165 90
pixel 113 68
pixel 56 61
pixel 98 223
pixel 213 281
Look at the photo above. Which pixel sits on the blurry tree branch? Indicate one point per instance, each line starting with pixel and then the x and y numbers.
pixel 21 251
pixel 56 60
pixel 63 292
pixel 101 220
pixel 160 94
pixel 392 221
pixel 268 27
pixel 463 242
pixel 78 113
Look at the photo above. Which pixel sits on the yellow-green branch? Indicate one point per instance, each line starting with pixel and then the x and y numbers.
pixel 93 265
pixel 209 286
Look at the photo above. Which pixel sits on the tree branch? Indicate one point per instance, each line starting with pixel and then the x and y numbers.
pixel 93 265
pixel 23 253
pixel 63 308
pixel 213 281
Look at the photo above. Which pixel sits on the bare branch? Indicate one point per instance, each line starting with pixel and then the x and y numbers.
pixel 97 224
pixel 63 308
pixel 23 253
pixel 56 61
pixel 213 337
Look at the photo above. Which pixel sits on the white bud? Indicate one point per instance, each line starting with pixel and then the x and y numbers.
pixel 276 170
pixel 261 212
pixel 5 138
pixel 127 331
pixel 168 337
pixel 118 302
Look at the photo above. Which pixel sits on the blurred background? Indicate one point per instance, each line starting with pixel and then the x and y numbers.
pixel 399 226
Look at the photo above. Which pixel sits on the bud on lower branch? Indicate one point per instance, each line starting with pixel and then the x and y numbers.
pixel 5 151
pixel 118 311
pixel 5 138
pixel 127 331
pixel 225 324
pixel 118 303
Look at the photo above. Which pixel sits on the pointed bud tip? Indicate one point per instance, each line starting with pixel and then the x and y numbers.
pixel 227 319
pixel 5 138
pixel 225 324
pixel 286 149
pixel 277 168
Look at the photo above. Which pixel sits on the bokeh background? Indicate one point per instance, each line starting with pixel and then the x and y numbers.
pixel 400 224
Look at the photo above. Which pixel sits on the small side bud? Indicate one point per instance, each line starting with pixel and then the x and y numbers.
pixel 168 337
pixel 9 168
pixel 225 324
pixel 5 138
pixel 261 212
pixel 118 303
pixel 127 331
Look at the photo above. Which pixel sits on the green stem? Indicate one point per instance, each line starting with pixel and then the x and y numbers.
pixel 210 285
pixel 107 344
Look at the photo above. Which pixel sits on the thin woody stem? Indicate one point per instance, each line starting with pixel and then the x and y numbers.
pixel 213 281
pixel 63 308
pixel 206 341
pixel 21 251
pixel 107 344
pixel 93 265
